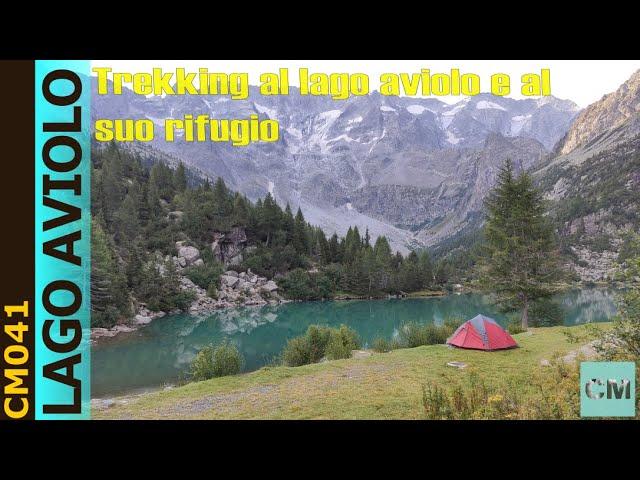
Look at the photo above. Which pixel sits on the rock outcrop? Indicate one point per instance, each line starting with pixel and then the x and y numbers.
pixel 611 111
pixel 228 248
pixel 236 289
pixel 187 255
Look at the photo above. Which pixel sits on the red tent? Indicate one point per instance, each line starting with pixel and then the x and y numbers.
pixel 481 333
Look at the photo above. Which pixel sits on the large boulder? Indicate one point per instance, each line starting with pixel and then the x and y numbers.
pixel 270 286
pixel 142 320
pixel 229 281
pixel 189 254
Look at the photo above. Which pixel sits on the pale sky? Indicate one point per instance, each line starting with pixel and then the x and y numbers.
pixel 583 81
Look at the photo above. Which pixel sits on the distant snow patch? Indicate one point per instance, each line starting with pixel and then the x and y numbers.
pixel 344 137
pixel 269 111
pixel 386 108
pixel 417 109
pixel 452 139
pixel 323 123
pixel 349 206
pixel 485 105
pixel 222 100
pixel 330 115
pixel 357 119
pixel 271 187
pixel 447 117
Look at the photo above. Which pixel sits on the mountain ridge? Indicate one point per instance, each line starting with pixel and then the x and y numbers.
pixel 335 157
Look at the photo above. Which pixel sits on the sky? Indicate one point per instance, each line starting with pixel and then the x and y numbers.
pixel 583 81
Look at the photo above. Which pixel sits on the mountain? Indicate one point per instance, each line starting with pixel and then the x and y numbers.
pixel 415 170
pixel 610 112
pixel 593 184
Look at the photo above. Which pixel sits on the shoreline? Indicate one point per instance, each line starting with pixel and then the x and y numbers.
pixel 306 386
pixel 99 333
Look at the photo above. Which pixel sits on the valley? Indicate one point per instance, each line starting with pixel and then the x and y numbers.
pixel 413 169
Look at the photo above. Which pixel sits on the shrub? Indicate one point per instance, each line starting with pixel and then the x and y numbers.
pixel 296 352
pixel 515 327
pixel 412 335
pixel 216 361
pixel 415 335
pixel 205 275
pixel 313 345
pixel 227 360
pixel 212 290
pixel 453 323
pixel 381 345
pixel 436 334
pixel 181 299
pixel 341 343
pixel 552 396
pixel 546 313
pixel 337 350
pixel 470 400
pixel 317 338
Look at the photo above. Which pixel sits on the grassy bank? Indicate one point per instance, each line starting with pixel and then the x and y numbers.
pixel 381 386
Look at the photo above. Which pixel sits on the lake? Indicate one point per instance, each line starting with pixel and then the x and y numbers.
pixel 160 353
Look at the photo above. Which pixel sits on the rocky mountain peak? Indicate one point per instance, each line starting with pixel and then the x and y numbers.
pixel 607 113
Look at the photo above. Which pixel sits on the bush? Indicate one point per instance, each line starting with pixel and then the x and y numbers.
pixel 553 396
pixel 381 345
pixel 341 343
pixel 317 339
pixel 212 290
pixel 216 361
pixel 412 335
pixel 515 327
pixel 470 400
pixel 314 344
pixel 296 352
pixel 309 348
pixel 546 313
pixel 436 334
pixel 205 275
pixel 415 335
pixel 453 323
pixel 337 350
pixel 182 299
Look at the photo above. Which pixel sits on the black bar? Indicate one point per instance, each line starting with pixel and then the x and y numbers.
pixel 17 241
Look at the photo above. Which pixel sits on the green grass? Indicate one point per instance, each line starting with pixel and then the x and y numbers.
pixel 382 386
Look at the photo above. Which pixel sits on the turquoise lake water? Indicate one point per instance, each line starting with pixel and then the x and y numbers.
pixel 159 353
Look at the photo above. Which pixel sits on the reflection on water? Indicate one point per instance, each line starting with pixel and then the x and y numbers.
pixel 590 305
pixel 160 353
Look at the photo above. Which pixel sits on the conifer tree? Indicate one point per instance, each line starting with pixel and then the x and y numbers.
pixel 520 262
pixel 300 242
pixel 109 295
pixel 288 223
pixel 180 178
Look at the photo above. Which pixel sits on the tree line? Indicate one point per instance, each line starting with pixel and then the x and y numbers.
pixel 141 207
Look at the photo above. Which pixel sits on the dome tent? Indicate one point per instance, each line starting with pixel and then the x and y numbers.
pixel 481 333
